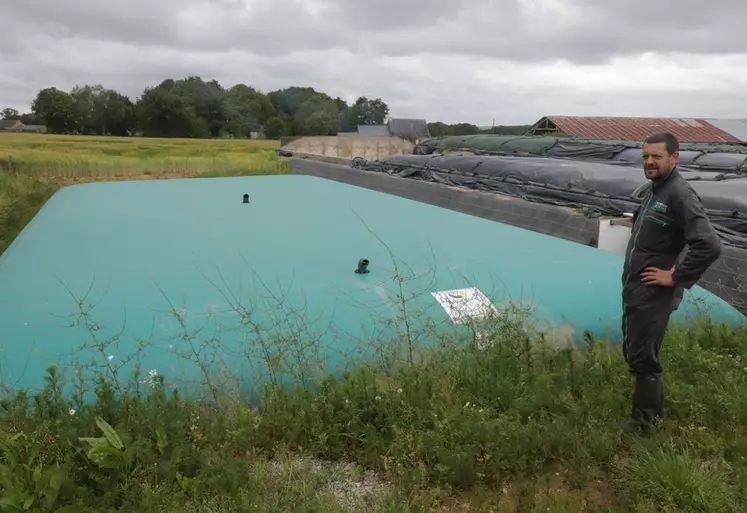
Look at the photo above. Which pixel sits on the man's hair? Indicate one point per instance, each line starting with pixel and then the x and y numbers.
pixel 670 141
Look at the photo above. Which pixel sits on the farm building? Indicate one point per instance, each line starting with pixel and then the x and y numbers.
pixel 13 125
pixel 413 130
pixel 695 130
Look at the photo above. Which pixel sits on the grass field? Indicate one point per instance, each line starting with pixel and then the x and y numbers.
pixel 94 158
pixel 34 166
pixel 516 427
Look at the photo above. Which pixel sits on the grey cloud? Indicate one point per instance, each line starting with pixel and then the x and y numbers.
pixel 341 47
pixel 390 15
pixel 584 31
pixel 267 28
pixel 135 21
pixel 274 28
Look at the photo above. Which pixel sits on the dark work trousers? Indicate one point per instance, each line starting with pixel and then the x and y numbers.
pixel 643 330
pixel 645 319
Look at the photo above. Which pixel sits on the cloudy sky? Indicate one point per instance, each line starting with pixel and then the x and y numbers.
pixel 447 60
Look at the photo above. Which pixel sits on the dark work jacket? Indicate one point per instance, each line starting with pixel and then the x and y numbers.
pixel 670 217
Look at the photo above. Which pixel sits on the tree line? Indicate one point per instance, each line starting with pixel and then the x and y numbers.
pixel 193 107
pixel 438 129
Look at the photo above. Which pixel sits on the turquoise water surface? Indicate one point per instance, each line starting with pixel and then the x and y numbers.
pixel 170 273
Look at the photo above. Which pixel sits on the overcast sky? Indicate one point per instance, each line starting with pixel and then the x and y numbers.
pixel 447 60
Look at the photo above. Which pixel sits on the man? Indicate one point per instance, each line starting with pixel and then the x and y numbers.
pixel 671 216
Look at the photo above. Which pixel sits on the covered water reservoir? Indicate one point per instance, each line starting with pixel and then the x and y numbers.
pixel 255 277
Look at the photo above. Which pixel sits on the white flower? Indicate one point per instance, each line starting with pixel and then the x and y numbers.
pixel 378 398
pixel 110 357
pixel 153 373
pixel 399 390
pixel 71 412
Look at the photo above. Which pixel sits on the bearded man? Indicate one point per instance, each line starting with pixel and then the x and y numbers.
pixel 671 216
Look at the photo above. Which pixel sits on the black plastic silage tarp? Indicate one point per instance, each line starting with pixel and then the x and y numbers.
pixel 604 189
pixel 585 150
pixel 723 158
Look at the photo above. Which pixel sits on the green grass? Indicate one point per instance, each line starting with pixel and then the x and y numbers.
pixel 33 166
pixel 21 197
pixel 78 157
pixel 515 426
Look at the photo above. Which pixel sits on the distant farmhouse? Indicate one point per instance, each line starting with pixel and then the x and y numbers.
pixel 13 125
pixel 691 130
pixel 413 130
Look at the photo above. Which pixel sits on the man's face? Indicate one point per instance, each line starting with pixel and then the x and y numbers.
pixel 657 163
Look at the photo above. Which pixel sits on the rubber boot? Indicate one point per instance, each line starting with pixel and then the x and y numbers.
pixel 648 404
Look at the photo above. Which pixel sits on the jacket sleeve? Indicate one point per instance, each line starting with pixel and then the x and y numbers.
pixel 704 244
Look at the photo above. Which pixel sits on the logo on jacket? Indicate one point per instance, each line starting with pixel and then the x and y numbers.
pixel 660 207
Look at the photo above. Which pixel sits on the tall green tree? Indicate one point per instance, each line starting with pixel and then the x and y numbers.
pixel 86 109
pixel 206 99
pixel 369 112
pixel 163 113
pixel 318 115
pixel 9 114
pixel 117 114
pixel 289 101
pixel 347 123
pixel 247 110
pixel 275 128
pixel 57 110
pixel 100 111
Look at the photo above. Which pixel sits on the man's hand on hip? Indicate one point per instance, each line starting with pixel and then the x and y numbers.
pixel 656 276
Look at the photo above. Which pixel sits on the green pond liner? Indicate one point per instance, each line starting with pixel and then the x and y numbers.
pixel 184 279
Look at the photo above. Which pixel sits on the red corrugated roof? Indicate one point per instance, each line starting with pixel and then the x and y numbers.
pixel 637 129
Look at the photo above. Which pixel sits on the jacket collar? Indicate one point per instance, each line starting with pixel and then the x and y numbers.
pixel 672 174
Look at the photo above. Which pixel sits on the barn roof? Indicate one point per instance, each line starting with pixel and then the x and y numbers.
pixel 409 128
pixel 9 123
pixel 632 129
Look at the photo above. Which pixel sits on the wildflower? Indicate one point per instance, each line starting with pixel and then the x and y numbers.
pixel 110 357
pixel 152 373
pixel 71 412
pixel 378 398
pixel 399 390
